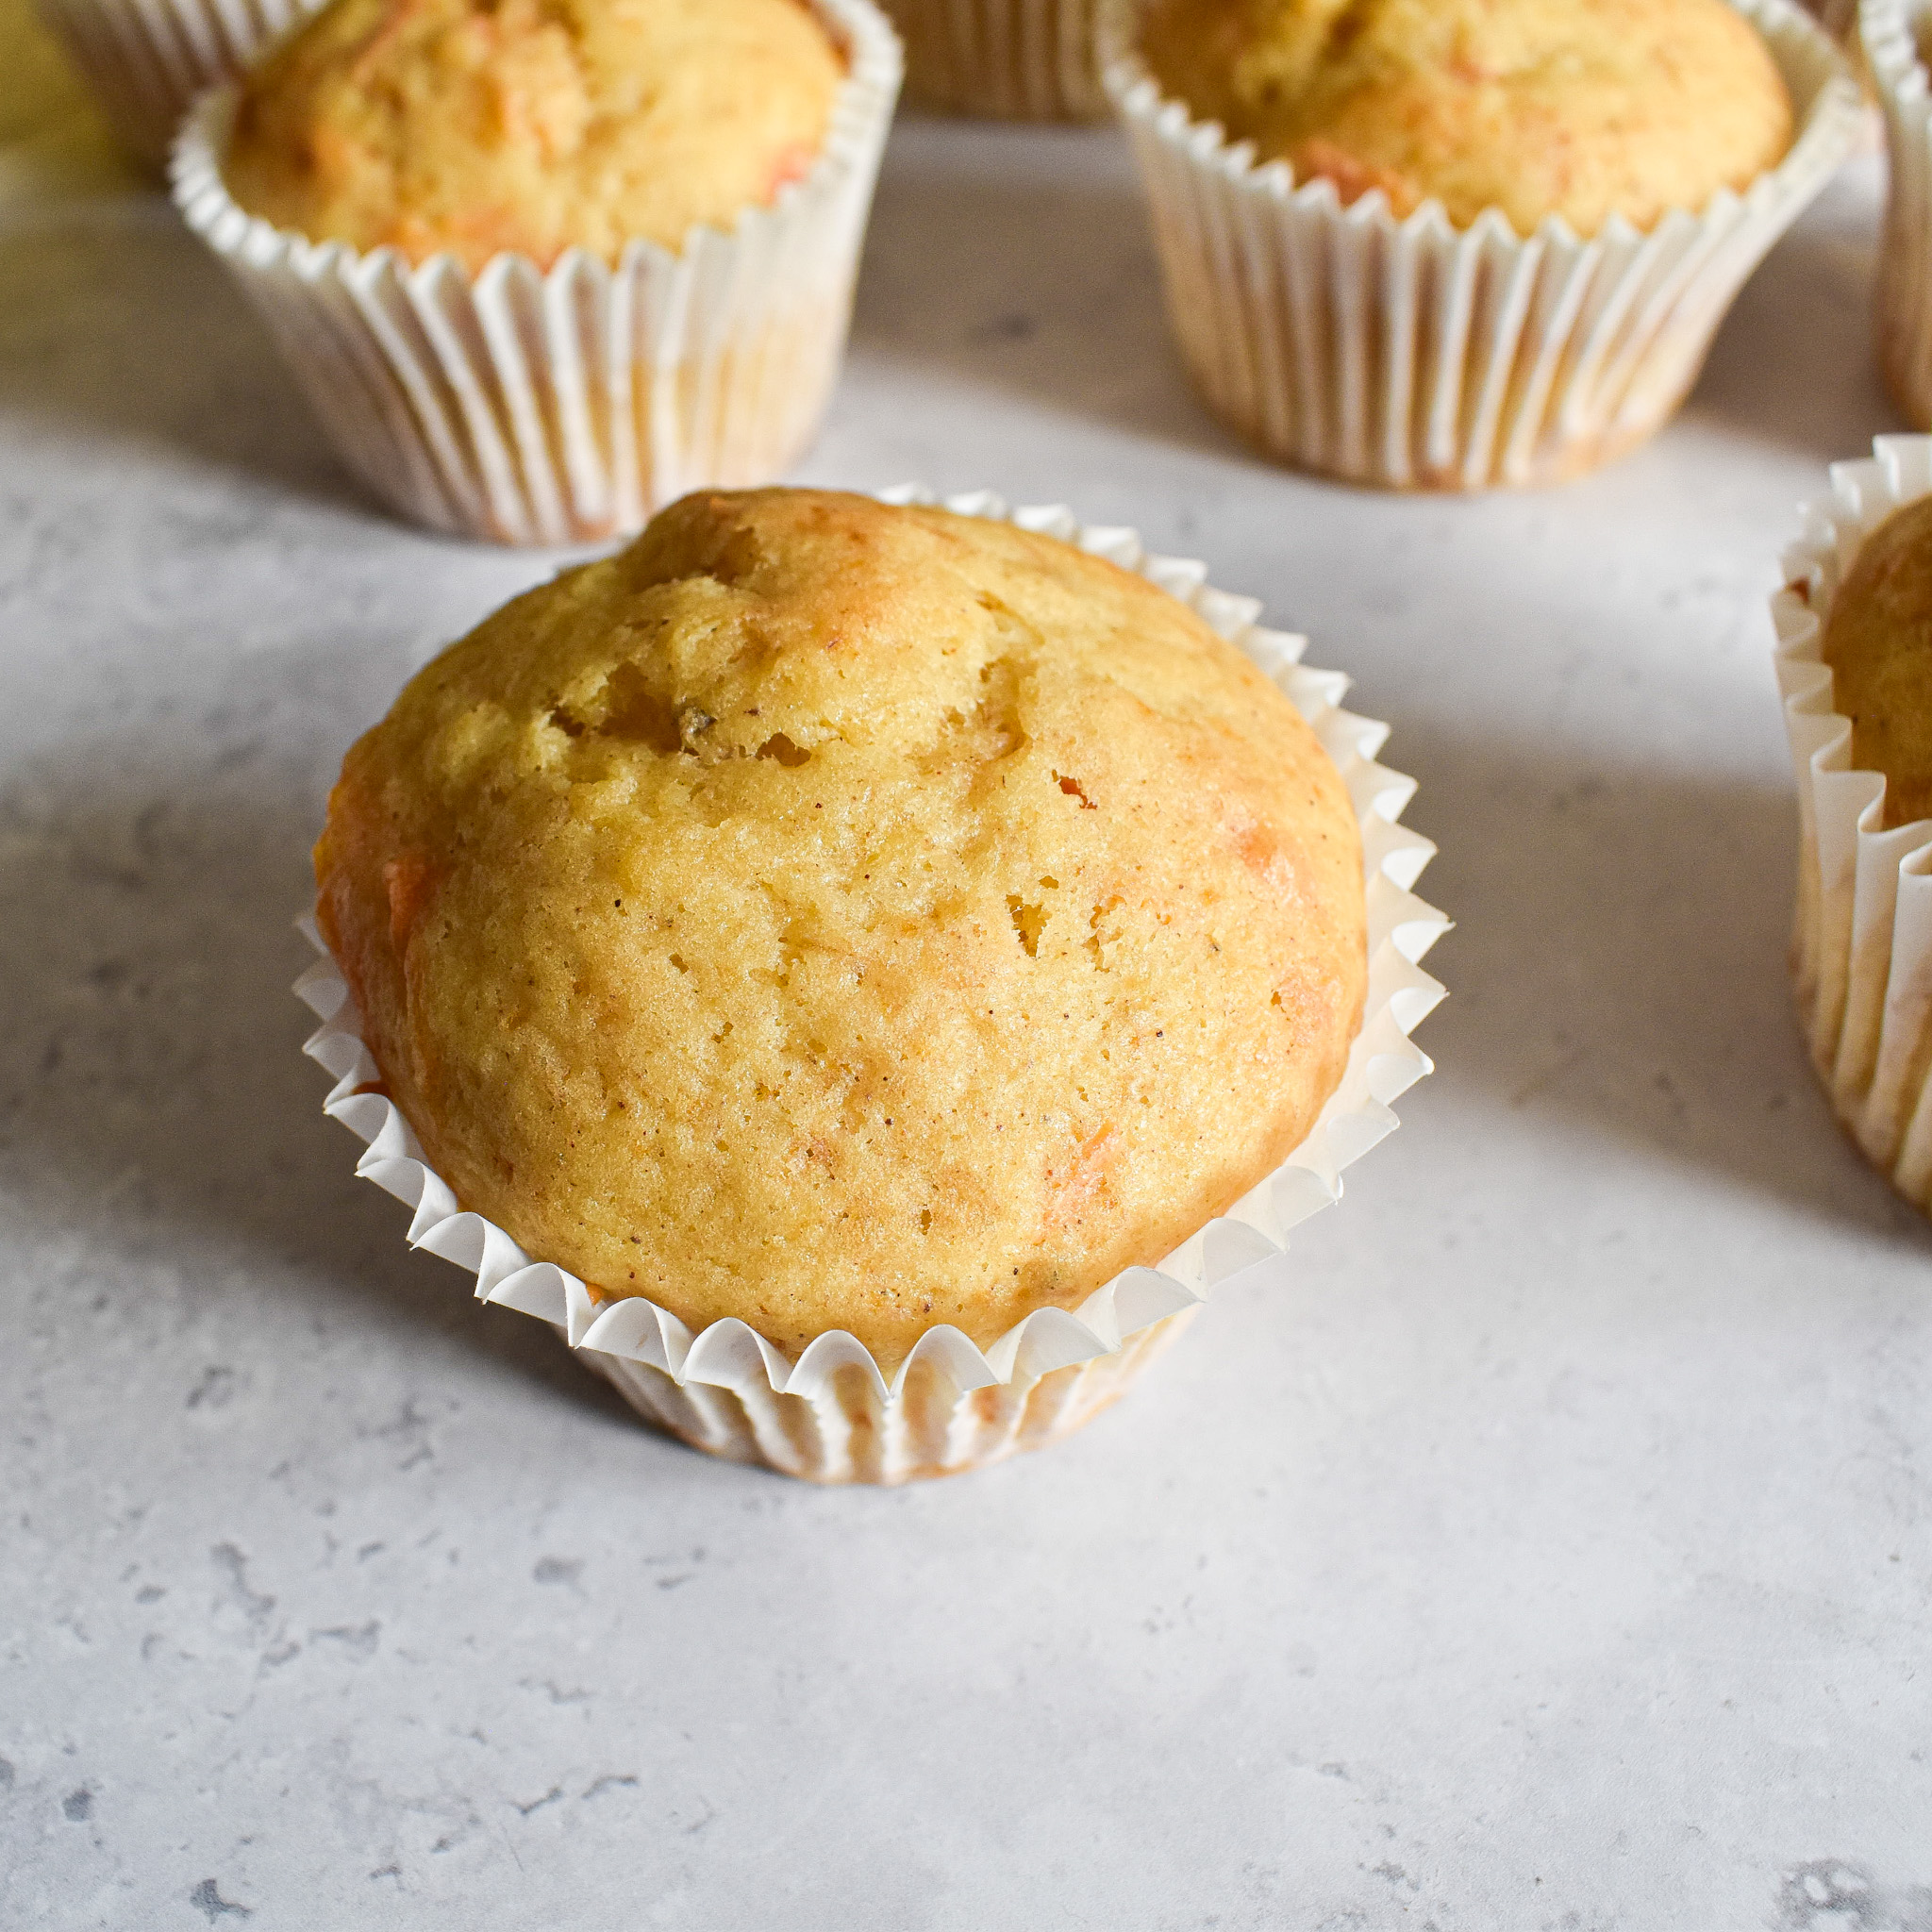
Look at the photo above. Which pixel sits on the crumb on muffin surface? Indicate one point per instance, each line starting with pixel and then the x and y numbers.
pixel 1878 646
pixel 1582 108
pixel 480 126
pixel 841 916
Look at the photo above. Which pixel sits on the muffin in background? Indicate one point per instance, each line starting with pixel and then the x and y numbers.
pixel 540 271
pixel 1574 109
pixel 1005 59
pixel 902 933
pixel 148 60
pixel 1481 243
pixel 528 128
pixel 1855 667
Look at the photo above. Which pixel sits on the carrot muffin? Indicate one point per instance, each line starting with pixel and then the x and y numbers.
pixel 1878 646
pixel 474 128
pixel 1582 108
pixel 848 917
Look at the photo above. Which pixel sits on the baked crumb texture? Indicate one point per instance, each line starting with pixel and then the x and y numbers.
pixel 1582 108
pixel 477 127
pixel 848 917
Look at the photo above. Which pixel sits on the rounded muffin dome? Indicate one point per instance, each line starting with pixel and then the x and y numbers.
pixel 841 916
pixel 1582 108
pixel 474 128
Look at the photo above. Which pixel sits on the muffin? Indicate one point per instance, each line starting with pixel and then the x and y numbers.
pixel 1855 665
pixel 1017 59
pixel 526 127
pixel 1574 109
pixel 146 60
pixel 1456 244
pixel 544 268
pixel 872 932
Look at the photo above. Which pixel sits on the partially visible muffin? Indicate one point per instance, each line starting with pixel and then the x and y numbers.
pixel 1582 108
pixel 1878 646
pixel 841 916
pixel 480 127
pixel 1038 64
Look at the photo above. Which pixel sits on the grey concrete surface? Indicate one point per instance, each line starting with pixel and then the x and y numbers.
pixel 1543 1543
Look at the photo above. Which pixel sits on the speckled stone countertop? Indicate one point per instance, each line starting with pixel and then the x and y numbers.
pixel 1545 1542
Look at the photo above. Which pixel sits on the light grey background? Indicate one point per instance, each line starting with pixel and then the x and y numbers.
pixel 1544 1544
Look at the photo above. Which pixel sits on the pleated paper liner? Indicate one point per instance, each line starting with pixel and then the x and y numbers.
pixel 147 60
pixel 836 1414
pixel 565 406
pixel 1862 954
pixel 1412 353
pixel 1889 31
pixel 1007 59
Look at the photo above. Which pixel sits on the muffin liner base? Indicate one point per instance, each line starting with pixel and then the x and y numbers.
pixel 1861 953
pixel 836 1414
pixel 147 60
pixel 565 406
pixel 1005 60
pixel 1414 354
pixel 930 1427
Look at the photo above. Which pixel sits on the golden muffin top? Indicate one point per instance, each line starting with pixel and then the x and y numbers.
pixel 841 916
pixel 475 126
pixel 1878 644
pixel 1582 108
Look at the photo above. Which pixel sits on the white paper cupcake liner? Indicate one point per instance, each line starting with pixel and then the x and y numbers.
pixel 836 1414
pixel 1413 353
pixel 1014 59
pixel 146 60
pixel 567 405
pixel 1862 954
pixel 1889 32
